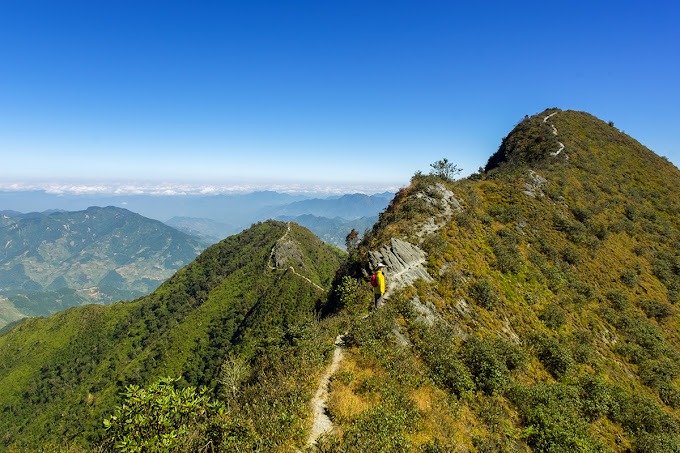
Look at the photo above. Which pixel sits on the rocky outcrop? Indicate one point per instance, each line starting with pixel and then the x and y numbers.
pixel 534 187
pixel 287 253
pixel 404 264
pixel 441 198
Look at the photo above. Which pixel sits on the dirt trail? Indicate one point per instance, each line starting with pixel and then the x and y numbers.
pixel 322 424
pixel 554 130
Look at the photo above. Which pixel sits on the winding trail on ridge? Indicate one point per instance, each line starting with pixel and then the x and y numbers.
pixel 290 268
pixel 322 423
pixel 554 130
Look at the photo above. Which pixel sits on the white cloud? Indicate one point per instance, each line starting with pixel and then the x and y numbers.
pixel 179 189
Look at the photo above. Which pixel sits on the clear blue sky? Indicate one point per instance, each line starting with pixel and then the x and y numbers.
pixel 352 93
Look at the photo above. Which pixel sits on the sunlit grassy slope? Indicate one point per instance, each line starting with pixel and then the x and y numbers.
pixel 556 287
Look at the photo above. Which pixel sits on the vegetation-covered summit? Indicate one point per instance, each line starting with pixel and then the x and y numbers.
pixel 552 321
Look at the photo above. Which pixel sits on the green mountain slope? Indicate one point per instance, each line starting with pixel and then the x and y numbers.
pixel 550 322
pixel 238 296
pixel 112 253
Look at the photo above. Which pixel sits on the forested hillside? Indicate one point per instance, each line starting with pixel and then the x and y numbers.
pixel 251 296
pixel 551 322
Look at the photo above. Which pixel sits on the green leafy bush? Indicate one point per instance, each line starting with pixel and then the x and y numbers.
pixel 553 316
pixel 655 309
pixel 629 278
pixel 488 368
pixel 619 299
pixel 160 418
pixel 552 418
pixel 438 349
pixel 555 358
pixel 483 292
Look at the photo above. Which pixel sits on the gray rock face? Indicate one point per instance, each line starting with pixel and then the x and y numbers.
pixel 439 197
pixel 534 188
pixel 287 253
pixel 404 264
pixel 426 312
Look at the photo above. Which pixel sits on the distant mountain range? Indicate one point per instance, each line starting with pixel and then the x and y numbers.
pixel 55 259
pixel 235 211
pixel 97 255
pixel 331 219
pixel 332 231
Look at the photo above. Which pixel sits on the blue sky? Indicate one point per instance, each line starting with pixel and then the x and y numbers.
pixel 351 94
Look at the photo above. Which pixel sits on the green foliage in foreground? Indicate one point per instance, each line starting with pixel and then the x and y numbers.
pixel 161 418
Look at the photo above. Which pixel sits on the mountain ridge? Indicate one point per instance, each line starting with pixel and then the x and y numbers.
pixel 205 301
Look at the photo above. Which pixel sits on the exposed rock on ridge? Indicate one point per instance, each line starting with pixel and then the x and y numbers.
pixel 404 264
pixel 443 199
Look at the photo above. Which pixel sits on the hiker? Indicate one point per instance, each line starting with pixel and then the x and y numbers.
pixel 379 288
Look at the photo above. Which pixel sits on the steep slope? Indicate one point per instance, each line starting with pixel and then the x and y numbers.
pixel 547 320
pixel 248 297
pixel 112 253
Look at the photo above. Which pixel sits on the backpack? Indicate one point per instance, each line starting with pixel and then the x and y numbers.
pixel 374 280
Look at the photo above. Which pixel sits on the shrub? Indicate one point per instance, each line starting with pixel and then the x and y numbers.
pixel 512 354
pixel 378 430
pixel 505 214
pixel 445 169
pixel 599 230
pixel 596 395
pixel 488 368
pixel 571 255
pixel 372 331
pixel 160 418
pixel 554 357
pixel 629 278
pixel 483 292
pixel 553 316
pixel 436 446
pixel 508 258
pixel 656 373
pixel 582 346
pixel 438 349
pixel 581 214
pixel 618 299
pixel 552 417
pixel 347 293
pixel 655 309
pixel 670 395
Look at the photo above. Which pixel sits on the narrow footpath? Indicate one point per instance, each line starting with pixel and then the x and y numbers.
pixel 554 130
pixel 322 423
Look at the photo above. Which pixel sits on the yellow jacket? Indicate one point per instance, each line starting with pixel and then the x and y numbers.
pixel 380 287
